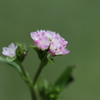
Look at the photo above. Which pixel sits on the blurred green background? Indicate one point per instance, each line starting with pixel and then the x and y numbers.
pixel 78 21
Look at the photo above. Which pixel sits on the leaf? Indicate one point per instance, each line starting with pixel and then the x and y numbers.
pixel 32 46
pixel 48 91
pixel 35 48
pixel 13 64
pixel 49 59
pixel 10 59
pixel 65 78
pixel 37 51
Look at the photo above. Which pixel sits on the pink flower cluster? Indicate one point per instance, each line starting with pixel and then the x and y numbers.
pixel 10 51
pixel 50 40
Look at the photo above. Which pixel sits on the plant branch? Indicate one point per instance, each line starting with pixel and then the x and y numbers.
pixel 27 81
pixel 38 73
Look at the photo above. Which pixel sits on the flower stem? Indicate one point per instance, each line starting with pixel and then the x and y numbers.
pixel 33 94
pixel 33 90
pixel 28 81
pixel 30 85
pixel 38 73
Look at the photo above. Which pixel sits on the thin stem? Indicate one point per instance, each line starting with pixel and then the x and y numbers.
pixel 33 94
pixel 38 73
pixel 23 71
pixel 28 82
pixel 32 89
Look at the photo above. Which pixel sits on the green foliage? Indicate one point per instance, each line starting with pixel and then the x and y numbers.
pixel 48 91
pixel 65 78
pixel 50 59
pixel 15 64
pixel 10 59
pixel 11 63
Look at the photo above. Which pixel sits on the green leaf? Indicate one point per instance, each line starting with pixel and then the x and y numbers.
pixel 10 59
pixel 37 51
pixel 65 78
pixel 50 59
pixel 35 48
pixel 48 91
pixel 13 64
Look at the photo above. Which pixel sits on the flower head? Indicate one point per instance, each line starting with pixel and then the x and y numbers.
pixel 10 51
pixel 44 40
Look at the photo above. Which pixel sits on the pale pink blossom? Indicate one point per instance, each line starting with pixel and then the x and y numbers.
pixel 10 51
pixel 50 40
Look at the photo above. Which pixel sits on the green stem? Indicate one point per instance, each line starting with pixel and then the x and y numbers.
pixel 28 82
pixel 31 84
pixel 33 91
pixel 33 94
pixel 38 73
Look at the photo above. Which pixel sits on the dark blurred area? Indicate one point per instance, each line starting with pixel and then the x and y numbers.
pixel 78 21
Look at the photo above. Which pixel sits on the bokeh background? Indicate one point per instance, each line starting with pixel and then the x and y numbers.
pixel 78 21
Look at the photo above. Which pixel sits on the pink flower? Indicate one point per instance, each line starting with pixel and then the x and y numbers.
pixel 50 40
pixel 10 51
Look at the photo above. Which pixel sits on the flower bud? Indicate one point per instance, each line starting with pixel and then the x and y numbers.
pixel 21 51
